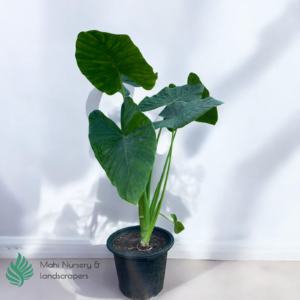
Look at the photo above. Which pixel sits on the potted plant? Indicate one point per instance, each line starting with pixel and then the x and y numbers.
pixel 127 154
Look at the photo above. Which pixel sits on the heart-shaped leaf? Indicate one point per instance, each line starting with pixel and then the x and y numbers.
pixel 127 155
pixel 211 117
pixel 19 271
pixel 178 226
pixel 171 95
pixel 103 57
pixel 184 104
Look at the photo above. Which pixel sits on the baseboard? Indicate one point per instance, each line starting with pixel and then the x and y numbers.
pixel 274 250
pixel 238 250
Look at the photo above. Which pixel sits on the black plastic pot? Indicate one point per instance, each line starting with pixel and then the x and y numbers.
pixel 141 276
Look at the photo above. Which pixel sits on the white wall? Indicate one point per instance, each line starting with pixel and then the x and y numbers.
pixel 235 186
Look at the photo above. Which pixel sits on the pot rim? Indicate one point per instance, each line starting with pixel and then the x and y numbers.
pixel 160 252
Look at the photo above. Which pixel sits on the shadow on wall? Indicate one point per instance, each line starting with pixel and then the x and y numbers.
pixel 282 30
pixel 249 181
pixel 274 40
pixel 188 16
pixel 10 213
pixel 195 137
pixel 114 210
pixel 112 207
pixel 66 223
pixel 196 133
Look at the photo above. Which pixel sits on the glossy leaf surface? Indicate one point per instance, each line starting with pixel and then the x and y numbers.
pixel 172 95
pixel 127 155
pixel 211 117
pixel 103 57
pixel 184 104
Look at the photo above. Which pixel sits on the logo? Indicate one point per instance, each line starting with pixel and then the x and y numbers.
pixel 20 271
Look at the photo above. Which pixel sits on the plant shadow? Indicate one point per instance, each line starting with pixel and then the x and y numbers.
pixel 250 180
pixel 273 41
pixel 7 211
pixel 112 207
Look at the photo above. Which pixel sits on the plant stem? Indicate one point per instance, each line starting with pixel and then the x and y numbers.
pixel 160 129
pixel 123 92
pixel 148 188
pixel 147 235
pixel 157 210
pixel 144 218
pixel 158 187
pixel 166 218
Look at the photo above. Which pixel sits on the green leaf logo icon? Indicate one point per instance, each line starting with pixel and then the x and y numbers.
pixel 19 271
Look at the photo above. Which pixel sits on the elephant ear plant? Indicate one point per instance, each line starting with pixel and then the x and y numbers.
pixel 127 154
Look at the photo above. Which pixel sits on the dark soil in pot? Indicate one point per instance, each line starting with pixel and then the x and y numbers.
pixel 128 243
pixel 140 273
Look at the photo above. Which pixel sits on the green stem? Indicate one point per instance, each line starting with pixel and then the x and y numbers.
pixel 144 218
pixel 123 92
pixel 166 217
pixel 157 209
pixel 160 129
pixel 148 188
pixel 158 187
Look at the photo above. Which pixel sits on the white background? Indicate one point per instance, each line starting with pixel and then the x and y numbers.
pixel 235 184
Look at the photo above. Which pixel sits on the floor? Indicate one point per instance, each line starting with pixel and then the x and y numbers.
pixel 185 279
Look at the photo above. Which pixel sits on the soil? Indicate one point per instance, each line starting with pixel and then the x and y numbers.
pixel 128 243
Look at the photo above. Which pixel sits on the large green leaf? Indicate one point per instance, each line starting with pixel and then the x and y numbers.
pixel 211 117
pixel 127 155
pixel 180 114
pixel 173 94
pixel 184 104
pixel 103 57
